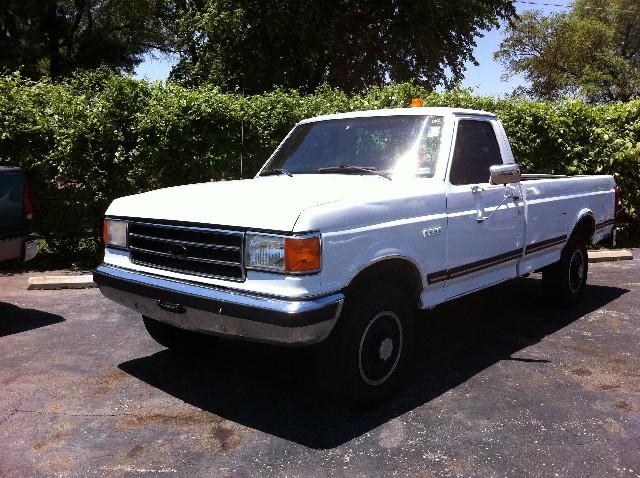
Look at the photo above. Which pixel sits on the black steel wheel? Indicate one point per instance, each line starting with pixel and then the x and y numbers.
pixel 380 347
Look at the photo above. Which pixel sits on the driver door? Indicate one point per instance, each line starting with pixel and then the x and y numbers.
pixel 485 225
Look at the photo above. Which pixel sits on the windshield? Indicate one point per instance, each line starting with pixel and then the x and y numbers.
pixel 383 144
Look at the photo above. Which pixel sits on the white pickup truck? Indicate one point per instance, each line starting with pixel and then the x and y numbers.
pixel 356 221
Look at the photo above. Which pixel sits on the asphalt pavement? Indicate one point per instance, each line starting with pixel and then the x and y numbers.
pixel 503 384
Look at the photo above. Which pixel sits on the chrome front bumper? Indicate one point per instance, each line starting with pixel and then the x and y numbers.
pixel 221 312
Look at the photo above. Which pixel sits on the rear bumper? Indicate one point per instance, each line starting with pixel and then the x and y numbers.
pixel 23 248
pixel 221 312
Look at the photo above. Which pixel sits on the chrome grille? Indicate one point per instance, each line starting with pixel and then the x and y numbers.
pixel 190 250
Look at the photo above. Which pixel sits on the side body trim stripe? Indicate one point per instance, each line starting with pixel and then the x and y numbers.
pixel 472 267
pixel 610 222
pixel 538 246
pixel 459 271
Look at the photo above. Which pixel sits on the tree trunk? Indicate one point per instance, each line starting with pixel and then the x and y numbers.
pixel 51 31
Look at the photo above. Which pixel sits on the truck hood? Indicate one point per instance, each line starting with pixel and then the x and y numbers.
pixel 271 203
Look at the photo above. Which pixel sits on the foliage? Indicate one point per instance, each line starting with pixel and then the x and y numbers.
pixel 593 51
pixel 256 45
pixel 98 136
pixel 56 37
pixel 251 45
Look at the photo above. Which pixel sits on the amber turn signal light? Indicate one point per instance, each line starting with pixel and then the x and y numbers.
pixel 302 255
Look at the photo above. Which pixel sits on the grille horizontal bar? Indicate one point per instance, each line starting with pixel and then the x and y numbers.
pixel 186 243
pixel 185 258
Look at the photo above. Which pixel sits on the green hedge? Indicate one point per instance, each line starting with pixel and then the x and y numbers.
pixel 98 136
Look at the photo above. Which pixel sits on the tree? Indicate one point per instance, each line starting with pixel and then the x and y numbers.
pixel 592 52
pixel 255 45
pixel 55 37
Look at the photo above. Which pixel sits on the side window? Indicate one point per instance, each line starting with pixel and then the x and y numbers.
pixel 476 150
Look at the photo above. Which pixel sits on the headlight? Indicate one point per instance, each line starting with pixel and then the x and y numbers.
pixel 264 251
pixel 285 254
pixel 115 234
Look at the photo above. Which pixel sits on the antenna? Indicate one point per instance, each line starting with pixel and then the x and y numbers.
pixel 242 133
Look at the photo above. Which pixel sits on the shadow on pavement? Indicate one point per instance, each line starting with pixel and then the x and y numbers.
pixel 271 389
pixel 14 319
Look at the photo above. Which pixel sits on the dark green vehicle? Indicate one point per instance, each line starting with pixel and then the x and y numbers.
pixel 16 216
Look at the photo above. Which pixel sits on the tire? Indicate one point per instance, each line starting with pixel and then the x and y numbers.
pixel 566 280
pixel 368 353
pixel 176 339
pixel 611 241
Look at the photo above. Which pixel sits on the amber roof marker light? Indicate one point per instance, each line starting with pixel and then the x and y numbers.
pixel 416 102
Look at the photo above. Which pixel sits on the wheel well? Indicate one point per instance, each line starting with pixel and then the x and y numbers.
pixel 586 227
pixel 401 272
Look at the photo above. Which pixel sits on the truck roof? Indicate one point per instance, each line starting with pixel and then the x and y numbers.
pixel 430 110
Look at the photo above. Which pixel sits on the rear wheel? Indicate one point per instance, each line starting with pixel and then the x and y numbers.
pixel 566 280
pixel 174 338
pixel 368 353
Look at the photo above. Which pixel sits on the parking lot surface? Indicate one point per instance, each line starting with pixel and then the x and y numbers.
pixel 504 384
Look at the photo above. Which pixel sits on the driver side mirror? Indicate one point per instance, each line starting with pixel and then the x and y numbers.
pixel 505 173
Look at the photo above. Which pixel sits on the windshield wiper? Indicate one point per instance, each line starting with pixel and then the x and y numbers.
pixel 275 172
pixel 350 169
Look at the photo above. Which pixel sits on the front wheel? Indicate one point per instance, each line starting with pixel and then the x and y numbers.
pixel 566 280
pixel 369 352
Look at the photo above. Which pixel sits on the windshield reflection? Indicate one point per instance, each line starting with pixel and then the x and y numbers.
pixel 399 144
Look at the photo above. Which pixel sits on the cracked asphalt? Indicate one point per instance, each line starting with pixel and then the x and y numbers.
pixel 503 384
